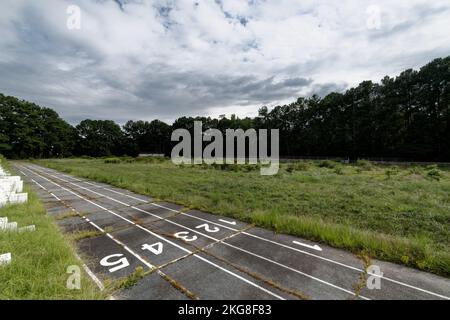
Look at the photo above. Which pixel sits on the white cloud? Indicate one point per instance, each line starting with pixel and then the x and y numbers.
pixel 163 59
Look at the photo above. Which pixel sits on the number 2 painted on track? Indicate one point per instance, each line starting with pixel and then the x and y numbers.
pixel 208 228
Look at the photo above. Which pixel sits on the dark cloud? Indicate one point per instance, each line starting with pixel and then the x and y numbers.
pixel 142 59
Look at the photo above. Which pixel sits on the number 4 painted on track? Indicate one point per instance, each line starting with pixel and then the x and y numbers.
pixel 156 248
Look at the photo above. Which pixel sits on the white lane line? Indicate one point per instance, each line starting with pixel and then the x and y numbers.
pixel 110 236
pixel 39 185
pixel 314 247
pixel 359 270
pixel 55 196
pixel 170 242
pixel 233 223
pixel 91 274
pixel 86 268
pixel 120 193
pixel 256 255
pixel 23 173
pixel 292 248
pixel 225 243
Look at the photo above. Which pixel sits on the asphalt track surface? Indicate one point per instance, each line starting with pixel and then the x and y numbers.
pixel 190 254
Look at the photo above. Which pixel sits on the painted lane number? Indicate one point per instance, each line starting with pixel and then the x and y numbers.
pixel 117 264
pixel 156 248
pixel 208 228
pixel 184 235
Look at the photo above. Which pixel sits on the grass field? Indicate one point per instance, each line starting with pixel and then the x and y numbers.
pixel 400 214
pixel 40 258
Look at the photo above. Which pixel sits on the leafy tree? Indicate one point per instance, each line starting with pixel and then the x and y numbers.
pixel 98 138
pixel 148 137
pixel 403 117
pixel 27 130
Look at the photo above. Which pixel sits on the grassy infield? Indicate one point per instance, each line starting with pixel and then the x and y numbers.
pixel 400 214
pixel 39 259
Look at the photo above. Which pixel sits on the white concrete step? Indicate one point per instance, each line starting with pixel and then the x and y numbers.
pixel 5 259
pixel 9 226
pixel 30 228
pixel 3 221
pixel 16 186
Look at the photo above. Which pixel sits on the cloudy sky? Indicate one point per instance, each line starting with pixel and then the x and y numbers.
pixel 147 59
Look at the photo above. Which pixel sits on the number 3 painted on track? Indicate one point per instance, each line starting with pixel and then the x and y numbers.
pixel 184 235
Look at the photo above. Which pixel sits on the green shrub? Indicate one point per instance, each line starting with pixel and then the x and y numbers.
pixel 235 167
pixel 297 166
pixel 301 166
pixel 434 174
pixel 432 167
pixel 127 159
pixel 327 164
pixel 290 168
pixel 112 160
pixel 250 167
pixel 149 159
pixel 389 173
pixel 415 170
pixel 365 165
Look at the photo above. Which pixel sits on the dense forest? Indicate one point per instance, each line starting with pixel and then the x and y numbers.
pixel 404 117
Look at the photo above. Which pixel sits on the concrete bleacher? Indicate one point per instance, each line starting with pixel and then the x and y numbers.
pixel 11 188
pixel 11 192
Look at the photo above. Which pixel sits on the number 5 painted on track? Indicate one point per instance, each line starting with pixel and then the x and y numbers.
pixel 120 264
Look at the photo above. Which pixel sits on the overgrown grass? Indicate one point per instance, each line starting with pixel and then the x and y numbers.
pixel 395 213
pixel 40 258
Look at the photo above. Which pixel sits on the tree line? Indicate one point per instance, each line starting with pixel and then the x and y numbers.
pixel 407 116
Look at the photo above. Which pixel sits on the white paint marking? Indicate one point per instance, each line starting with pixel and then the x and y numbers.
pixel 39 185
pixel 91 275
pixel 56 197
pixel 208 228
pixel 315 247
pixel 233 223
pixel 156 248
pixel 283 245
pixel 308 253
pixel 117 264
pixel 184 236
pixel 168 241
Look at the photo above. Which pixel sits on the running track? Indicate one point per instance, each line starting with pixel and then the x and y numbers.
pixel 190 254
